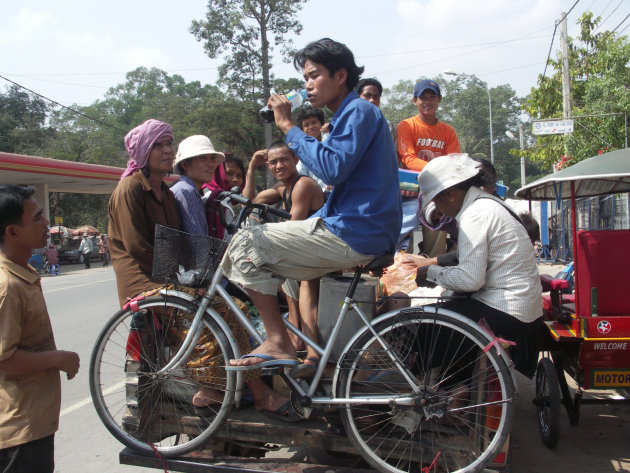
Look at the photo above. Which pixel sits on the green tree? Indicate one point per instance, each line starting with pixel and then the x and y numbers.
pixel 248 31
pixel 397 102
pixel 599 84
pixel 22 121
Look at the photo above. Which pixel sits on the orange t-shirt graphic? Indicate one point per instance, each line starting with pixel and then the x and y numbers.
pixel 419 143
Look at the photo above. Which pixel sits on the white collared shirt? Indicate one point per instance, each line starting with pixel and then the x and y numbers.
pixel 496 259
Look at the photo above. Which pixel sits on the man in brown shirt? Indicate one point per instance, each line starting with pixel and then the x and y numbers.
pixel 30 390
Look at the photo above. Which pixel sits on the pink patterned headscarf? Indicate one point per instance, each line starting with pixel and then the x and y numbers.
pixel 140 140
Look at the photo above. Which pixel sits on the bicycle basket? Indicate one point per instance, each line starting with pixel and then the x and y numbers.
pixel 184 258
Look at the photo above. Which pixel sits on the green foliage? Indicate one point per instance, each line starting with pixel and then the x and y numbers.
pixel 245 33
pixel 397 104
pixel 80 209
pixel 599 84
pixel 22 121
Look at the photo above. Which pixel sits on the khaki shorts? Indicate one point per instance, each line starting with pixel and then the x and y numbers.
pixel 291 288
pixel 262 257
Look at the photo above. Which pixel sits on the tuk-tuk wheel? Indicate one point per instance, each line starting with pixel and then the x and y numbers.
pixel 547 402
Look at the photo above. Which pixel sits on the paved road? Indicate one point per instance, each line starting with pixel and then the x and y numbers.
pixel 80 301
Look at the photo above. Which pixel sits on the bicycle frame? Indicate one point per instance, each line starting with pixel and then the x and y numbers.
pixel 215 288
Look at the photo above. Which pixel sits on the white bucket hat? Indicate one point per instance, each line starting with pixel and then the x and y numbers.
pixel 444 172
pixel 192 146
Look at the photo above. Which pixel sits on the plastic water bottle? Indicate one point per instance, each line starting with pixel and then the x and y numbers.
pixel 296 97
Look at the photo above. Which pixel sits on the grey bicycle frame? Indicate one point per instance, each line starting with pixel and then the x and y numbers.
pixel 215 288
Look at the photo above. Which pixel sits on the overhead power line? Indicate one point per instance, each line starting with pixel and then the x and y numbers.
pixel 488 44
pixel 621 23
pixel 554 35
pixel 609 15
pixel 63 106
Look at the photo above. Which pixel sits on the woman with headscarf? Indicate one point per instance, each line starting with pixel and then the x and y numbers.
pixel 222 180
pixel 140 201
pixel 496 264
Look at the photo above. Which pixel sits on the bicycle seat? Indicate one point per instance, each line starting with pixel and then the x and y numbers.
pixel 378 263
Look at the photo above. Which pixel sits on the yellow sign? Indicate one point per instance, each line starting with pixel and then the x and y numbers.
pixel 610 378
pixel 58 220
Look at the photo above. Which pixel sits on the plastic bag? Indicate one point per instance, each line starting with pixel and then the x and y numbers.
pixel 399 277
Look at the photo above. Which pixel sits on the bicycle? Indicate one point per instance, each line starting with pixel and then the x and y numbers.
pixel 416 388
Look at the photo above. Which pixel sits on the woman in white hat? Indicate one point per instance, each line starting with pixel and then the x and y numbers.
pixel 195 162
pixel 496 262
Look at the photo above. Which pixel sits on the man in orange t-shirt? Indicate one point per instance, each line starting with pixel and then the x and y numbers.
pixel 422 138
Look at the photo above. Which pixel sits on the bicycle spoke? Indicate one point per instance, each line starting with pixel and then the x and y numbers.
pixel 460 417
pixel 138 401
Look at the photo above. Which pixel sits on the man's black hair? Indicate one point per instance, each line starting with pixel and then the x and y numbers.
pixel 230 158
pixel 488 172
pixel 12 200
pixel 308 112
pixel 333 56
pixel 369 81
pixel 279 144
pixel 476 181
pixel 531 226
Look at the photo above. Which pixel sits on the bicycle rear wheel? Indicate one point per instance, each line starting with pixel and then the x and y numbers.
pixel 145 409
pixel 461 415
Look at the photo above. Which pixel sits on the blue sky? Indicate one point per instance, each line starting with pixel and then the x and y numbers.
pixel 72 51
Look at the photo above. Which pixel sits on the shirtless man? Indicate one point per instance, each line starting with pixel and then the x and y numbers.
pixel 301 196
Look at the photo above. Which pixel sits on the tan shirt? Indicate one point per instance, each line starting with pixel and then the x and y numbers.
pixel 29 404
pixel 133 213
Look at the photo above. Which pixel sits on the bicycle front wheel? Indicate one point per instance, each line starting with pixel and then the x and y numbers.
pixel 458 416
pixel 147 409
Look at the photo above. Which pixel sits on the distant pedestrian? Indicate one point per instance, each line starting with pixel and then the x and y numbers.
pixel 30 388
pixel 52 255
pixel 103 250
pixel 85 249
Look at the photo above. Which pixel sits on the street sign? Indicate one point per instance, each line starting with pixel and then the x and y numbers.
pixel 552 127
pixel 58 220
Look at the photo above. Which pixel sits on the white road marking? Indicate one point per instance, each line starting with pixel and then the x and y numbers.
pixel 74 286
pixel 88 400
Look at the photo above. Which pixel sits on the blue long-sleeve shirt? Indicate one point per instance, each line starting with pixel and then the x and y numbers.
pixel 191 211
pixel 358 159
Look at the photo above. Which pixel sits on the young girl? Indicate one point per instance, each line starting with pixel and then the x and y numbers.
pixel 234 170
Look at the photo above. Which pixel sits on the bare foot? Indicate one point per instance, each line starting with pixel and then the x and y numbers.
pixel 297 342
pixel 272 403
pixel 266 398
pixel 312 357
pixel 267 348
pixel 206 397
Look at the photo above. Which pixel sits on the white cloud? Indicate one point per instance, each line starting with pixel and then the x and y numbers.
pixel 148 57
pixel 26 27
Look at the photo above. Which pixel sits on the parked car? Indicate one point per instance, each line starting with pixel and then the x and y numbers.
pixel 69 251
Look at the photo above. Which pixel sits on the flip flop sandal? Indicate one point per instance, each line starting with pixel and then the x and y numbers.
pixel 270 362
pixel 306 370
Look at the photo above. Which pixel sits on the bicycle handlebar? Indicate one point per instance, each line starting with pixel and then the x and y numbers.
pixel 234 196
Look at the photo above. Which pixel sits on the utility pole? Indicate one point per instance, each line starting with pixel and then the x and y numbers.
pixel 522 141
pixel 491 137
pixel 566 78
